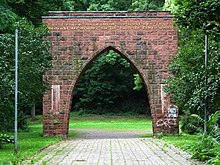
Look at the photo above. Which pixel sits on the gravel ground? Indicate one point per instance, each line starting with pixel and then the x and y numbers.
pixel 108 134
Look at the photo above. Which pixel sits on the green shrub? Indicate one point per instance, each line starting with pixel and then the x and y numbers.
pixel 211 124
pixel 207 146
pixel 189 125
pixel 4 139
pixel 7 121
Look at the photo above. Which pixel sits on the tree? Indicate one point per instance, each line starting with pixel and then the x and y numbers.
pixel 138 82
pixel 32 10
pixel 34 55
pixel 188 84
pixel 116 5
pixel 107 87
pixel 200 14
pixel 7 17
pixel 34 59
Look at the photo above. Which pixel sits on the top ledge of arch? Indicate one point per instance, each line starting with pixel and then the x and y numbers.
pixel 108 14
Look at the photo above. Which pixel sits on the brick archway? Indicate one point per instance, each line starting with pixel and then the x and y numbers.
pixel 147 40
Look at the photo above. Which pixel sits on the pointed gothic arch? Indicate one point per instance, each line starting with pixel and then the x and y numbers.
pixel 99 53
pixel 147 40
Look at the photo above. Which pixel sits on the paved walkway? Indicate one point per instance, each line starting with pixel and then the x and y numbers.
pixel 116 151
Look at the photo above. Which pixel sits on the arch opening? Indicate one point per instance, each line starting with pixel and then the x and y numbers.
pixel 106 87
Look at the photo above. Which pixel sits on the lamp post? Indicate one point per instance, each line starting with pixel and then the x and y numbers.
pixel 16 94
pixel 206 82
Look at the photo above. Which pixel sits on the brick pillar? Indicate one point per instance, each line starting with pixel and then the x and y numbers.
pixel 55 115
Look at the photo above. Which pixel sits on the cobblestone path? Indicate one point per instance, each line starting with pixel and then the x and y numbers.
pixel 118 151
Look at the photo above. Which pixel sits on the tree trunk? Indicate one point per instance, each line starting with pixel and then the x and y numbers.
pixel 33 112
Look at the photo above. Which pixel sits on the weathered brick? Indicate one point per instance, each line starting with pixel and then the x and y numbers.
pixel 145 41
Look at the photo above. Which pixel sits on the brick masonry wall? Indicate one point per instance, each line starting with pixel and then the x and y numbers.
pixel 148 40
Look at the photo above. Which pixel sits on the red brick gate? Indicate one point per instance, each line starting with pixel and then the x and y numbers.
pixel 147 40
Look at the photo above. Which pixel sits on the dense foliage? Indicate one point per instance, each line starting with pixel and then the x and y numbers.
pixel 188 84
pixel 5 139
pixel 116 5
pixel 34 9
pixel 107 87
pixel 200 14
pixel 34 58
pixel 206 148
pixel 196 19
pixel 208 144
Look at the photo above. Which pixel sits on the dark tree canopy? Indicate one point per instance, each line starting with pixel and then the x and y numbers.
pixel 107 87
pixel 34 9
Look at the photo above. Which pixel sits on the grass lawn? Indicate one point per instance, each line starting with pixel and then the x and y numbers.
pixel 181 140
pixel 30 143
pixel 111 122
